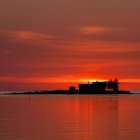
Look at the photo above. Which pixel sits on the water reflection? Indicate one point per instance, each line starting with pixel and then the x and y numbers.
pixel 67 117
pixel 98 116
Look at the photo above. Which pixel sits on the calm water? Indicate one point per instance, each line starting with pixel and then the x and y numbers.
pixel 62 117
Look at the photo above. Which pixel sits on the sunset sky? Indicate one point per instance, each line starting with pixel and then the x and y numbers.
pixel 51 44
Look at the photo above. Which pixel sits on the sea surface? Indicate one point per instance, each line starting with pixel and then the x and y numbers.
pixel 70 117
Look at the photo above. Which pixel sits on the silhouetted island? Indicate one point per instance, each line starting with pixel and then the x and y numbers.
pixel 107 87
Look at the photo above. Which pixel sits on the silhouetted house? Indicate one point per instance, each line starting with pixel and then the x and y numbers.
pixel 94 87
pixel 99 87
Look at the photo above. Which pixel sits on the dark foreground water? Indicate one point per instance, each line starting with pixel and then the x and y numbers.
pixel 63 117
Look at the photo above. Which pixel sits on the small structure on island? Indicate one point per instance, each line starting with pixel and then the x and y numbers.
pixel 72 89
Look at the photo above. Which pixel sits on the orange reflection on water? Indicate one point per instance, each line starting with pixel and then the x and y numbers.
pixel 69 117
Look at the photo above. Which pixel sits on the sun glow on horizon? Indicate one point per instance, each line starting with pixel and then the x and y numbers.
pixel 61 80
pixel 92 80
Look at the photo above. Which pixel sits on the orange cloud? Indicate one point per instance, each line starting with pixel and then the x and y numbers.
pixel 37 79
pixel 28 35
pixel 95 30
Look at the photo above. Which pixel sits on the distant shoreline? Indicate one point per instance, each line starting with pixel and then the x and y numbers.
pixel 66 92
